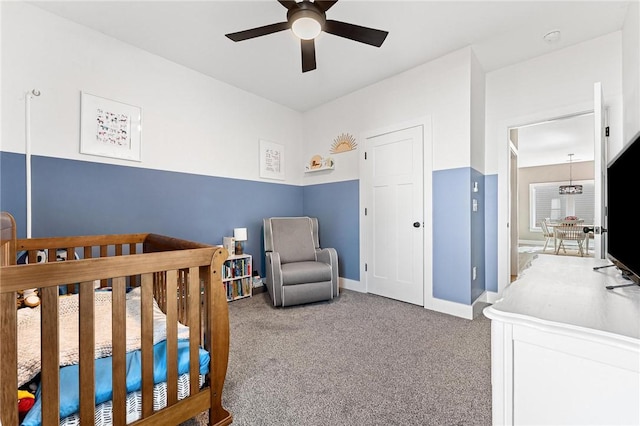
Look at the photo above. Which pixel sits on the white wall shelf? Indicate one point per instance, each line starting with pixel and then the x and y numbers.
pixel 319 169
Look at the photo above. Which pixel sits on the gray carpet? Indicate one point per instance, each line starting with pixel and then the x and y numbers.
pixel 357 360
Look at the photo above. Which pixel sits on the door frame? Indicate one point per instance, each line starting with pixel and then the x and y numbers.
pixel 504 182
pixel 427 171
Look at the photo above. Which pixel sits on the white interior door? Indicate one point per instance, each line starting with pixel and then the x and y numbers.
pixel 600 167
pixel 395 215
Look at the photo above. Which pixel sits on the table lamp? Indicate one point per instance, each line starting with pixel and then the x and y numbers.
pixel 240 235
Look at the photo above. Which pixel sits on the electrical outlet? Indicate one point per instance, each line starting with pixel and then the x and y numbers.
pixel 475 205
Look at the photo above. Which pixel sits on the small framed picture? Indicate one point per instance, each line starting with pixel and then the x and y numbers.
pixel 271 160
pixel 109 128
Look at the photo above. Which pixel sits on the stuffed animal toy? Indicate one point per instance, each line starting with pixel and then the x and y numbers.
pixel 30 296
pixel 25 401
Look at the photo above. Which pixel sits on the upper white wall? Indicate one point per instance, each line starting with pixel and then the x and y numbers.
pixel 552 85
pixel 190 123
pixel 631 71
pixel 478 103
pixel 440 88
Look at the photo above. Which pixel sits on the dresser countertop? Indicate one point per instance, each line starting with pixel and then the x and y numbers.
pixel 566 292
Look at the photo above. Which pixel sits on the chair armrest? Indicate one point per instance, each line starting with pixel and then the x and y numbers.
pixel 274 276
pixel 330 256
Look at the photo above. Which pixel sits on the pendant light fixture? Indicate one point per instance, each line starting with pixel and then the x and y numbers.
pixel 570 189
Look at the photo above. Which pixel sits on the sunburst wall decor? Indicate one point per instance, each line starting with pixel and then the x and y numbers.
pixel 343 143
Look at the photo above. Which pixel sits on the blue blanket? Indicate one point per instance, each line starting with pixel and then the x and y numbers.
pixel 69 392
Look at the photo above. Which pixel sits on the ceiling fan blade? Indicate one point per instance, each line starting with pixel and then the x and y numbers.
pixel 355 32
pixel 308 55
pixel 325 5
pixel 288 3
pixel 259 31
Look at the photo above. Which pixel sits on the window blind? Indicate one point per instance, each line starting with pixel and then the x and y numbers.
pixel 546 202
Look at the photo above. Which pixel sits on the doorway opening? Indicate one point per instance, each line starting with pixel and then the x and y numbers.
pixel 543 156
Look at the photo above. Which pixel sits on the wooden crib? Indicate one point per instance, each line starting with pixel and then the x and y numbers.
pixel 183 277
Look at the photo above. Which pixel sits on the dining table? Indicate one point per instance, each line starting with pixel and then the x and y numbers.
pixel 571 230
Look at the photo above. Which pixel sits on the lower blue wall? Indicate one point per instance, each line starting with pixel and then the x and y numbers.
pixel 82 198
pixel 477 234
pixel 459 241
pixel 78 198
pixel 451 235
pixel 336 207
pixel 491 232
pixel 13 189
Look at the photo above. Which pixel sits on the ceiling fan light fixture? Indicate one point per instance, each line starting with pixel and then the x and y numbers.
pixel 306 28
pixel 306 22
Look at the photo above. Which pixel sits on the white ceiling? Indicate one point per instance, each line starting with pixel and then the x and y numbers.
pixel 552 142
pixel 192 33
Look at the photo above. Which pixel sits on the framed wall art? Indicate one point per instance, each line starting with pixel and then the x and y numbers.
pixel 109 128
pixel 271 160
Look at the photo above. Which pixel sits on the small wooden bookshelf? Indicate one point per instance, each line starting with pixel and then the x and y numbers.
pixel 236 276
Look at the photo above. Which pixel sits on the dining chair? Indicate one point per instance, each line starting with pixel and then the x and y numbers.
pixel 587 240
pixel 570 230
pixel 548 234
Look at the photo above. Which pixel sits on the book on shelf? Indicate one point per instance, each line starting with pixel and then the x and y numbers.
pixel 246 285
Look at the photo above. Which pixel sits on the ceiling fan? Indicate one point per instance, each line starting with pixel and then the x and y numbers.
pixel 307 19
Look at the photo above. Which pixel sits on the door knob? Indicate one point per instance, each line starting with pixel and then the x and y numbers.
pixel 416 224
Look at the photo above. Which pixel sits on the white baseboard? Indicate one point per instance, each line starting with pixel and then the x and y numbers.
pixel 348 284
pixel 461 310
pixel 451 308
pixel 446 307
pixel 489 297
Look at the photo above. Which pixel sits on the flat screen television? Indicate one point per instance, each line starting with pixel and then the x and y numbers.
pixel 623 191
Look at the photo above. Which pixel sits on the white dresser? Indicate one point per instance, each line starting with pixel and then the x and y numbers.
pixel 565 350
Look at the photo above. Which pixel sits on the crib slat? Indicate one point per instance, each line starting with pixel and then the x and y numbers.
pixel 70 256
pixel 50 364
pixel 119 365
pixel 87 353
pixel 9 356
pixel 134 279
pixel 172 338
pixel 193 309
pixel 104 253
pixel 182 293
pixel 159 290
pixel 147 343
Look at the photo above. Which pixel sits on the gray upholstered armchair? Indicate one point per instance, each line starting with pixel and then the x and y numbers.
pixel 298 270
